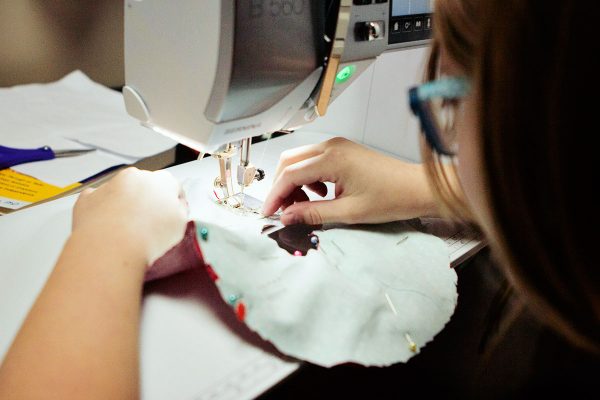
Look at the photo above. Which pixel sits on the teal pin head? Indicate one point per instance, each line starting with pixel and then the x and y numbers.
pixel 232 298
pixel 204 233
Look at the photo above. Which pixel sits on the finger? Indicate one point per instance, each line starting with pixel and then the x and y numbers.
pixel 128 171
pixel 297 196
pixel 293 156
pixel 87 191
pixel 319 212
pixel 318 187
pixel 308 171
pixel 290 157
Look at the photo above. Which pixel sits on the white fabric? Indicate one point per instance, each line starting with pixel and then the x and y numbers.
pixel 362 297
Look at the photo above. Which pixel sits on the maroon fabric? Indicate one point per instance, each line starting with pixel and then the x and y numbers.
pixel 183 256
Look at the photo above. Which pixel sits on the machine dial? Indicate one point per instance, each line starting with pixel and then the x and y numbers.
pixel 369 31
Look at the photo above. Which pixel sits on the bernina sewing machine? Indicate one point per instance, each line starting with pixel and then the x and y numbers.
pixel 212 74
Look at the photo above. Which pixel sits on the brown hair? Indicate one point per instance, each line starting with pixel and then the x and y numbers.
pixel 457 40
pixel 531 64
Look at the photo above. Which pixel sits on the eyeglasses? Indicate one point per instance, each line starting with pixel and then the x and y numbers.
pixel 436 104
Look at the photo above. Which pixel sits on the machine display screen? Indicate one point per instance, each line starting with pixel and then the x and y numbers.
pixel 410 20
pixel 402 8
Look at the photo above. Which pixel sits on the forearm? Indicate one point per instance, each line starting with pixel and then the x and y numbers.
pixel 80 339
pixel 421 200
pixel 410 191
pixel 425 202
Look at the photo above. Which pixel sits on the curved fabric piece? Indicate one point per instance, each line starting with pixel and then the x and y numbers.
pixel 183 256
pixel 372 295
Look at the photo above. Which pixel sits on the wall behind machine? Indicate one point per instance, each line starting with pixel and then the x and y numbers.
pixel 374 110
pixel 43 40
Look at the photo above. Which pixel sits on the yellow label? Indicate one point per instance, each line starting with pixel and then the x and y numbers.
pixel 14 185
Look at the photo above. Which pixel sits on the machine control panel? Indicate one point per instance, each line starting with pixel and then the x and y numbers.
pixel 410 20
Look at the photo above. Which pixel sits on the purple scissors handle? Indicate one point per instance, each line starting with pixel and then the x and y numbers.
pixel 10 156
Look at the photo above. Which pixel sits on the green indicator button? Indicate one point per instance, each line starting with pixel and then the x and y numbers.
pixel 345 73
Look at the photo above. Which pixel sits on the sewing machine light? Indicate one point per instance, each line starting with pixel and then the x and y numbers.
pixel 345 74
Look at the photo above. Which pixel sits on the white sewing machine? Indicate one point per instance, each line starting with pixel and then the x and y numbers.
pixel 214 74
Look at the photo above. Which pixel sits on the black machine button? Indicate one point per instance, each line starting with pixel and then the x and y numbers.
pixel 427 23
pixel 407 25
pixel 418 24
pixel 362 2
pixel 380 1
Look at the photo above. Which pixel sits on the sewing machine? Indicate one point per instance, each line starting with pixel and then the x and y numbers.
pixel 214 74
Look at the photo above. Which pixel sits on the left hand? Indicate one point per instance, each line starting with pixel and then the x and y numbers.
pixel 139 213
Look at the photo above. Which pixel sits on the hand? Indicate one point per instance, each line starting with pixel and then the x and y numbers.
pixel 87 316
pixel 369 187
pixel 139 213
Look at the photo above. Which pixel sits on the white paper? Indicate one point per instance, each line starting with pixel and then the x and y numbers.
pixel 79 110
pixel 65 171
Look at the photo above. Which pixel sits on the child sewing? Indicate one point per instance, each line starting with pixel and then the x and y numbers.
pixel 506 130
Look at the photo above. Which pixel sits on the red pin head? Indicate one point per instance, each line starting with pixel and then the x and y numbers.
pixel 240 311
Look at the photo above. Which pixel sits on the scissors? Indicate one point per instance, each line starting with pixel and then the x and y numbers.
pixel 10 156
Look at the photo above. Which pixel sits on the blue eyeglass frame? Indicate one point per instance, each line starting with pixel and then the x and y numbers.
pixel 454 88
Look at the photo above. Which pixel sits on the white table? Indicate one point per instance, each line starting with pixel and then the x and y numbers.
pixel 190 348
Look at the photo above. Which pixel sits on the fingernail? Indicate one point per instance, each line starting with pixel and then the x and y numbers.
pixel 265 207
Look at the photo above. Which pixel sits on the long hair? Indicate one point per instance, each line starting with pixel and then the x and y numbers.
pixel 532 68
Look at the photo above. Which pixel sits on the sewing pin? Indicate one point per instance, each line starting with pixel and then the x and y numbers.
pixel 314 240
pixel 402 240
pixel 298 253
pixel 411 344
pixel 232 298
pixel 387 296
pixel 211 272
pixel 204 234
pixel 240 311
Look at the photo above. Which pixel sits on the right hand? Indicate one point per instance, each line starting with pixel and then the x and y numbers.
pixel 369 187
pixel 139 214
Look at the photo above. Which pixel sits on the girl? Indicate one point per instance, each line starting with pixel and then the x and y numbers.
pixel 504 102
